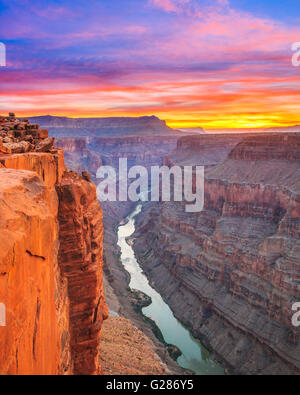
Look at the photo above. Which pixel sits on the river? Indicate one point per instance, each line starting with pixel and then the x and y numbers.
pixel 194 356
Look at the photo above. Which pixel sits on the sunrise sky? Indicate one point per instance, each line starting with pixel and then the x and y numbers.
pixel 215 64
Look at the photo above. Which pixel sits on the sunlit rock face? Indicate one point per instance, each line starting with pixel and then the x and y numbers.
pixel 50 268
pixel 81 261
pixel 36 337
pixel 232 272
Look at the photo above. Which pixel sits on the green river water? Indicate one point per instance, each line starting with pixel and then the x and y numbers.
pixel 194 356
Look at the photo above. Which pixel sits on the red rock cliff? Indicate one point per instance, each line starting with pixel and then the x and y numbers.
pixel 81 260
pixel 50 259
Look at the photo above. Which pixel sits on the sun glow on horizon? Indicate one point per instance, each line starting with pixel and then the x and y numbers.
pixel 190 63
pixel 243 122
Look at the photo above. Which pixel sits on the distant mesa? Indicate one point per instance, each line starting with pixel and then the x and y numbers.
pixel 114 126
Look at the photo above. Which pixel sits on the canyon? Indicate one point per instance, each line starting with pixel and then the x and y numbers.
pixel 51 265
pixel 230 273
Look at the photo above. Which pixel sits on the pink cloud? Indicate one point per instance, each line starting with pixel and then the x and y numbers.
pixel 169 5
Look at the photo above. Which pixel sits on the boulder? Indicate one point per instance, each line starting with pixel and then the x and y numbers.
pixel 45 145
pixel 17 148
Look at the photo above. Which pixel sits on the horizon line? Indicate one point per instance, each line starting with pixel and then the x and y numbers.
pixel 168 122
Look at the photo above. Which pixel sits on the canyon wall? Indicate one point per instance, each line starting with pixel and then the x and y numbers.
pixel 231 272
pixel 35 339
pixel 50 258
pixel 81 261
pixel 78 154
pixel 89 153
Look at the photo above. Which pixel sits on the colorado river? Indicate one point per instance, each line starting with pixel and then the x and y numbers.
pixel 194 356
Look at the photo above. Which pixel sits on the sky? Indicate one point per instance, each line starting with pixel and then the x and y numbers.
pixel 193 63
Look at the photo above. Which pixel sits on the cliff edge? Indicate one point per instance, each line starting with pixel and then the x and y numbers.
pixel 50 258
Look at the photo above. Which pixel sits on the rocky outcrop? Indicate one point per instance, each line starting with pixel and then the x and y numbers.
pixel 50 262
pixel 231 273
pixel 18 136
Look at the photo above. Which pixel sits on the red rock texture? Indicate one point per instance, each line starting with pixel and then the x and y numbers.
pixel 35 340
pixel 81 261
pixel 50 264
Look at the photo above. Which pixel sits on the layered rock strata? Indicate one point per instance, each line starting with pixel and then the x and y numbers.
pixel 81 261
pixel 35 339
pixel 231 272
pixel 50 260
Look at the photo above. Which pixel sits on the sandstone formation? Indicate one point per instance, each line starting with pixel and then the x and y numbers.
pixel 18 136
pixel 50 259
pixel 232 272
pixel 81 261
pixel 36 338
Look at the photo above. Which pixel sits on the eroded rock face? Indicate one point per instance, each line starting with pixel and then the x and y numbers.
pixel 35 339
pixel 231 273
pixel 81 260
pixel 50 262
pixel 206 150
pixel 19 136
pixel 78 156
